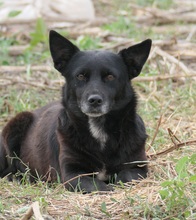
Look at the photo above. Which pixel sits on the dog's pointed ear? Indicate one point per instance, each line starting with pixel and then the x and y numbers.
pixel 61 49
pixel 135 57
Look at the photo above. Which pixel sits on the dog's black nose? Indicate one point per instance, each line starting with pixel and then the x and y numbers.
pixel 95 100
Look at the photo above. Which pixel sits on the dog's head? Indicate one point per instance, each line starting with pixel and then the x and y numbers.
pixel 97 81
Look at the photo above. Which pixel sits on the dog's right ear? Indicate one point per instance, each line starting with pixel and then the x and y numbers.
pixel 61 49
pixel 135 57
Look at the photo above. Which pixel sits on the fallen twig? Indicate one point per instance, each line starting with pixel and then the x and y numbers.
pixel 20 69
pixel 28 214
pixel 174 147
pixel 164 77
pixel 27 82
pixel 158 16
pixel 191 34
pixel 34 209
pixel 156 132
pixel 173 136
pixel 170 58
pixel 17 50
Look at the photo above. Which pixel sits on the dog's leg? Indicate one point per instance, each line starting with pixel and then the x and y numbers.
pixel 137 170
pixel 73 176
pixel 132 174
pixel 12 136
pixel 85 184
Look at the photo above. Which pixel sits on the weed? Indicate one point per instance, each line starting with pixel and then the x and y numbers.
pixel 22 210
pixel 85 42
pixel 130 199
pixel 104 209
pixel 14 13
pixel 123 26
pixel 40 34
pixel 1 207
pixel 114 200
pixel 174 192
pixel 162 4
pixel 4 45
pixel 42 201
pixel 22 100
pixel 31 57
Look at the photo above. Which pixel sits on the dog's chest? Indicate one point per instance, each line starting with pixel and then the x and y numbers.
pixel 96 127
pixel 97 130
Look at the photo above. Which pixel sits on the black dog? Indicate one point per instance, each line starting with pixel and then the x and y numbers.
pixel 94 129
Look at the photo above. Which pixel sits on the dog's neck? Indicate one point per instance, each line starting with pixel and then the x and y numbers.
pixel 97 129
pixel 100 128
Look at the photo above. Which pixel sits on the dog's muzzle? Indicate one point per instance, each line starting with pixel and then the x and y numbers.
pixel 95 101
pixel 94 106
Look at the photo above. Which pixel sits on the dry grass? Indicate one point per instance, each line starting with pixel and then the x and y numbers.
pixel 167 103
pixel 139 200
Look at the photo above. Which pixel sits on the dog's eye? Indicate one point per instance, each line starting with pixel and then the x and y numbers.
pixel 81 77
pixel 109 77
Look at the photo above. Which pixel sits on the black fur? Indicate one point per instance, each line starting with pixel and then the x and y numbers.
pixel 94 129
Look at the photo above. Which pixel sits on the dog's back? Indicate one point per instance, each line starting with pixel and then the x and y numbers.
pixel 41 142
pixel 20 136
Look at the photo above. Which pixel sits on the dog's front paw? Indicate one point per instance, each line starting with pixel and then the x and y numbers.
pixel 97 186
pixel 88 185
pixel 129 175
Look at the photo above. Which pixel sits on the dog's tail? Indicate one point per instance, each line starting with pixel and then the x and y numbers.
pixel 10 142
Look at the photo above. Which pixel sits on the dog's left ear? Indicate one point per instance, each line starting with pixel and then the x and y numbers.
pixel 61 49
pixel 135 57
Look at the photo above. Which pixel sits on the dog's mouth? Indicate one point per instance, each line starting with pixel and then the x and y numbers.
pixel 94 111
pixel 93 115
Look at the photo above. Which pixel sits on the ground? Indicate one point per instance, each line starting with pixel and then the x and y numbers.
pixel 166 92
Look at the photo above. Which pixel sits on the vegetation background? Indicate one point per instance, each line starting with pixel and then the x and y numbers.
pixel 166 90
